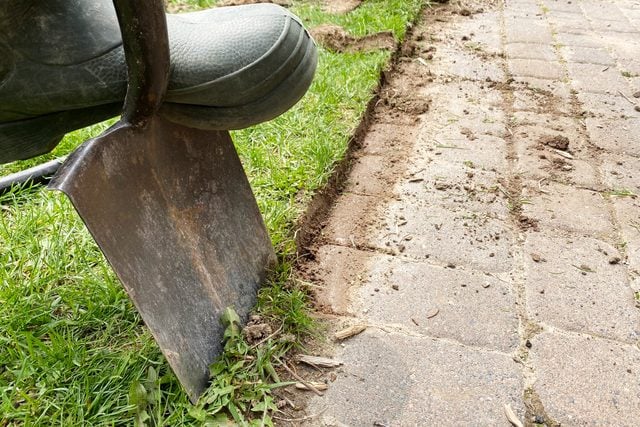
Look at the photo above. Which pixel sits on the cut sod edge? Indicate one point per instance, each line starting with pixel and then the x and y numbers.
pixel 319 208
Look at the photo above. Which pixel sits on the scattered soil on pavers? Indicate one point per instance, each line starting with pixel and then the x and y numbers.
pixel 397 101
pixel 396 87
pixel 536 409
pixel 340 6
pixel 335 38
pixel 400 98
pixel 394 99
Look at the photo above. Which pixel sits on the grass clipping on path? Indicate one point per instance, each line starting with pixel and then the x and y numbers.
pixel 73 350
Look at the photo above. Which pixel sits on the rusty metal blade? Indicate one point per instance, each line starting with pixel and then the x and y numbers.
pixel 173 212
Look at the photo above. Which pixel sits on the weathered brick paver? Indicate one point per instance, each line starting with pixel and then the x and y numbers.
pixel 586 381
pixel 571 283
pixel 491 242
pixel 404 380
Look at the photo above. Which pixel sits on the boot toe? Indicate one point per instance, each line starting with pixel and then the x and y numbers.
pixel 234 56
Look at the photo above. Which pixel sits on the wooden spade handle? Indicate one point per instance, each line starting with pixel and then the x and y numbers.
pixel 143 26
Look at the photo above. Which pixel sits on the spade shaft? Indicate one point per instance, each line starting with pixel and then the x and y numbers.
pixel 36 175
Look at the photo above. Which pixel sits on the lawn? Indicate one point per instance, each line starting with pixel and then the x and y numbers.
pixel 73 350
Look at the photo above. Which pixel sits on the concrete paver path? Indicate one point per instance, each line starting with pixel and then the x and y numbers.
pixel 489 234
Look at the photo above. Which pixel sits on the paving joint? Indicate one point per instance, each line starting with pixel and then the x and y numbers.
pixel 390 328
pixel 547 327
pixel 527 328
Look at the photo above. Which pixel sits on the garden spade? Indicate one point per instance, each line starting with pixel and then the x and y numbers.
pixel 171 209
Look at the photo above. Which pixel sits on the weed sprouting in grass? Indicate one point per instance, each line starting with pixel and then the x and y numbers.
pixel 243 379
pixel 73 350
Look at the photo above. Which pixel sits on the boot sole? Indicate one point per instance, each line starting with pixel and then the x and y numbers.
pixel 28 138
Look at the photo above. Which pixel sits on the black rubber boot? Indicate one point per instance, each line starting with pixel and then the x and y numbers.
pixel 63 68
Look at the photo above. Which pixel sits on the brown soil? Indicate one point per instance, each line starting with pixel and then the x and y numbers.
pixel 557 141
pixel 527 223
pixel 319 209
pixel 403 102
pixel 340 6
pixel 536 413
pixel 335 38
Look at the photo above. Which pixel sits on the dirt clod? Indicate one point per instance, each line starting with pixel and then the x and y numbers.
pixel 401 100
pixel 257 332
pixel 527 223
pixel 439 185
pixel 557 141
pixel 335 38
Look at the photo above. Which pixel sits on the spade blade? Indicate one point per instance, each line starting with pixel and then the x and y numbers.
pixel 172 210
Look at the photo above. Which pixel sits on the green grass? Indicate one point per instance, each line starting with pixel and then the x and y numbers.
pixel 73 350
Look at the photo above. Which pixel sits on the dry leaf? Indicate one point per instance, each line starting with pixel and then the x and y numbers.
pixel 563 154
pixel 323 362
pixel 511 416
pixel 317 385
pixel 350 331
